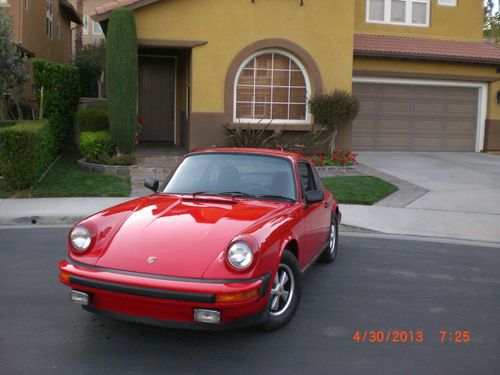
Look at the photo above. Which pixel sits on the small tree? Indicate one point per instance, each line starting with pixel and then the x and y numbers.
pixel 79 28
pixel 91 60
pixel 121 78
pixel 334 110
pixel 12 69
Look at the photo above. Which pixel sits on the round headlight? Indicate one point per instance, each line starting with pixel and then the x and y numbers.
pixel 80 238
pixel 240 255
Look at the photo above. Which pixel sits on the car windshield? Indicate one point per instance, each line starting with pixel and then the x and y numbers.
pixel 239 175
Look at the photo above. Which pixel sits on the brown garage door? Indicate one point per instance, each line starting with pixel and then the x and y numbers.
pixel 415 118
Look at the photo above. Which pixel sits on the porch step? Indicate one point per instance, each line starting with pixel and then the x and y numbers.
pixel 164 161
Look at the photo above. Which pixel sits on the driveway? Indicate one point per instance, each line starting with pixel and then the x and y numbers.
pixel 462 201
pixel 465 182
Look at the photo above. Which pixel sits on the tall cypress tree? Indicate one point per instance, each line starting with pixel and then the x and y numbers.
pixel 121 78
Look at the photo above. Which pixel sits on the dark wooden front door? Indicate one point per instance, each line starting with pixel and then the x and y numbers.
pixel 157 98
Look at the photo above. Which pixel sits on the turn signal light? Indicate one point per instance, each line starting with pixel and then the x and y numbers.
pixel 64 277
pixel 237 297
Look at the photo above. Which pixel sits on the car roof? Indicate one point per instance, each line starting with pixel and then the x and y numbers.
pixel 257 151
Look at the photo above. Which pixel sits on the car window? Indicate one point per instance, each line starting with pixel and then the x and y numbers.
pixel 306 177
pixel 317 178
pixel 250 174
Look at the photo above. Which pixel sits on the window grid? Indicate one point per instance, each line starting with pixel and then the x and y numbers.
pixel 270 105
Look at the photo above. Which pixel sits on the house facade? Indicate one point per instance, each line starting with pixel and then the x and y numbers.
pixel 42 28
pixel 91 30
pixel 424 76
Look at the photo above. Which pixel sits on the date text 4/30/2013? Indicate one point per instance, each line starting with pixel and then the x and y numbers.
pixel 410 336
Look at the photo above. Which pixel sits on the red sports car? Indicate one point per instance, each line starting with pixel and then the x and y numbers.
pixel 221 244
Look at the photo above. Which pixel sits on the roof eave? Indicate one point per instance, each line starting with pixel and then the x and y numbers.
pixel 396 55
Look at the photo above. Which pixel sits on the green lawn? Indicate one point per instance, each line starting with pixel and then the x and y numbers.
pixel 365 190
pixel 5 192
pixel 65 179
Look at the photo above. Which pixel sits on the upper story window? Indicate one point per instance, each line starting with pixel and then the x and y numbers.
pixel 85 25
pixel 26 4
pixel 271 85
pixel 96 28
pixel 49 15
pixel 398 12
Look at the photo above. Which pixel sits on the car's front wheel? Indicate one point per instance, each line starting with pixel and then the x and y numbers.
pixel 285 293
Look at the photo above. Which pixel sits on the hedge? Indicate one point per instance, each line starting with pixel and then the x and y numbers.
pixel 121 78
pixel 61 90
pixel 26 150
pixel 96 147
pixel 92 120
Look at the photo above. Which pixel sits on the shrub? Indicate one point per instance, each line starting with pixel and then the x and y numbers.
pixel 334 110
pixel 92 120
pixel 121 78
pixel 121 160
pixel 90 61
pixel 61 92
pixel 96 147
pixel 6 123
pixel 243 135
pixel 26 150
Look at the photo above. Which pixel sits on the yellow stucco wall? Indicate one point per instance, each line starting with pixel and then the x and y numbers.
pixel 463 22
pixel 322 27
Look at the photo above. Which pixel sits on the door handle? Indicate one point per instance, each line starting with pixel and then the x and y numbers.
pixel 326 204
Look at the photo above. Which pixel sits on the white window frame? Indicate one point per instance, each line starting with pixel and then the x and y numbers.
pixel 85 25
pixel 408 13
pixel 93 28
pixel 482 97
pixel 447 3
pixel 303 70
pixel 49 19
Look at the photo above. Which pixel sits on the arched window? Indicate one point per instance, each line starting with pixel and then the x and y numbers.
pixel 271 85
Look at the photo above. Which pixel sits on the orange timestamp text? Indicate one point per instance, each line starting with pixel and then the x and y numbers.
pixel 409 336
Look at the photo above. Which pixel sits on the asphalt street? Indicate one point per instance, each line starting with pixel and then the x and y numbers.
pixel 375 285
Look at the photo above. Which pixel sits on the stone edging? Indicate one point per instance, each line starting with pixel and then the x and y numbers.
pixel 333 170
pixel 115 170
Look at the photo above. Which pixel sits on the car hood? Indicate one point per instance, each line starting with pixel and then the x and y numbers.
pixel 173 236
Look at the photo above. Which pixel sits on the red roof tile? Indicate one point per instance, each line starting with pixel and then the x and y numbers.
pixel 103 11
pixel 427 49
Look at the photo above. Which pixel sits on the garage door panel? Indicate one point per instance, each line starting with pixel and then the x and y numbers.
pixel 415 118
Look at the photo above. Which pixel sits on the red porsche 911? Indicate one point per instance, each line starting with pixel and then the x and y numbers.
pixel 221 244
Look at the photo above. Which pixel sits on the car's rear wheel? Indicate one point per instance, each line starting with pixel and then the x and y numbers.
pixel 285 292
pixel 330 252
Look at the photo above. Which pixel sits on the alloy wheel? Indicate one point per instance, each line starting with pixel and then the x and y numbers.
pixel 282 291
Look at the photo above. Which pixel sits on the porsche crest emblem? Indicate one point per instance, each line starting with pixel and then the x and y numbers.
pixel 151 260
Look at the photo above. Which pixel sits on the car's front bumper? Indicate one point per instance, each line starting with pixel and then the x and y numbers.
pixel 166 301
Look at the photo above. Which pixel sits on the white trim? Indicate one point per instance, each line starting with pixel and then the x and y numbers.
pixel 303 70
pixel 482 97
pixel 447 3
pixel 408 14
pixel 175 89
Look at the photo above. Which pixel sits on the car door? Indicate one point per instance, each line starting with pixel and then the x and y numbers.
pixel 316 216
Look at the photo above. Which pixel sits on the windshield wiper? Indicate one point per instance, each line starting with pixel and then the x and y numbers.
pixel 234 194
pixel 273 196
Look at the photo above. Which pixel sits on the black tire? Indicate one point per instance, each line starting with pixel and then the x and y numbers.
pixel 330 252
pixel 279 316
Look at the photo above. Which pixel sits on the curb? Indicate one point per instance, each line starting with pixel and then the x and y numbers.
pixel 39 220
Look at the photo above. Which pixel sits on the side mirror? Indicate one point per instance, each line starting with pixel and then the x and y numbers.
pixel 315 196
pixel 152 184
